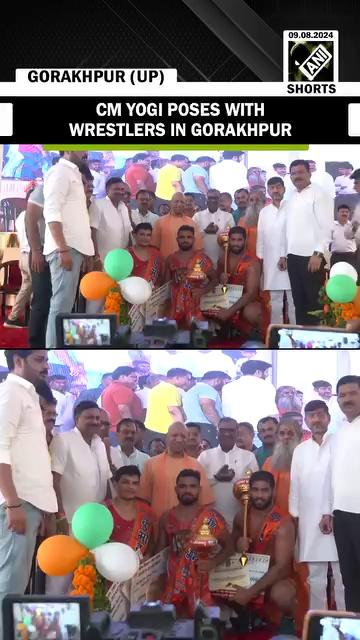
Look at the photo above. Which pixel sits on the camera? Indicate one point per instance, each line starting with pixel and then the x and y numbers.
pixel 69 617
pixel 84 332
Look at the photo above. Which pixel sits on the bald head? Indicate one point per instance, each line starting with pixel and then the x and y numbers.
pixel 178 204
pixel 105 424
pixel 176 439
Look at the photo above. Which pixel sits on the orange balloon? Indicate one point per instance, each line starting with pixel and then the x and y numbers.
pixel 96 285
pixel 60 555
pixel 356 302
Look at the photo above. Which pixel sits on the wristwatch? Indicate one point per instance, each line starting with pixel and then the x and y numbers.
pixel 318 254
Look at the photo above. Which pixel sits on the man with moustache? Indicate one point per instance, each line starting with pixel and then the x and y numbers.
pixel 79 464
pixel 212 222
pixel 267 428
pixel 272 219
pixel 187 575
pixel 323 391
pixel 225 465
pixel 193 441
pixel 305 238
pixel 26 488
pixel 241 269
pixel 241 197
pixel 185 294
pixel 67 235
pixel 288 436
pixel 308 472
pixel 270 532
pixel 125 453
pixel 341 495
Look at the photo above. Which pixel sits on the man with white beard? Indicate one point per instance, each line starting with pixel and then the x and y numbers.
pixel 257 200
pixel 308 474
pixel 288 437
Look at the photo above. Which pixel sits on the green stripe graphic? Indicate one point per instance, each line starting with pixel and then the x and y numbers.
pixel 175 147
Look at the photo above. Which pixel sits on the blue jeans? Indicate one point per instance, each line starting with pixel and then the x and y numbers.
pixel 64 287
pixel 16 554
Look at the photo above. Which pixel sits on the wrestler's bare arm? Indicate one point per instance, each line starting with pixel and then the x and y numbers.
pixel 283 559
pixel 163 540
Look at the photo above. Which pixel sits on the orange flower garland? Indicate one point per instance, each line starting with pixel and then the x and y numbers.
pixel 88 582
pixel 84 579
pixel 116 304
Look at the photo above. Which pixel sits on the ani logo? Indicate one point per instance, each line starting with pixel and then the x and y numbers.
pixel 311 57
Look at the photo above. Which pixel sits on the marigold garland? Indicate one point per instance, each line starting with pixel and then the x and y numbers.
pixel 334 314
pixel 115 303
pixel 88 582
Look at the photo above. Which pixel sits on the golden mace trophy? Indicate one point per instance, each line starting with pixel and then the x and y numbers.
pixel 241 491
pixel 223 241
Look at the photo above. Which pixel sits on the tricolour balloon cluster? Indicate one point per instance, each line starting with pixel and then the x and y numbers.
pixel 341 286
pixel 92 526
pixel 118 266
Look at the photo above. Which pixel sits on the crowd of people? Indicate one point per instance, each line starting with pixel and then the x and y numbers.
pixel 229 225
pixel 166 471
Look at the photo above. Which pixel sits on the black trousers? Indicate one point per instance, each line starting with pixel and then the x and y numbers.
pixel 349 256
pixel 40 304
pixel 347 538
pixel 305 287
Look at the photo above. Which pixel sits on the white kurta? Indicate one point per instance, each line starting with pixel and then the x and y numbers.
pixel 237 459
pixel 221 219
pixel 308 474
pixel 270 230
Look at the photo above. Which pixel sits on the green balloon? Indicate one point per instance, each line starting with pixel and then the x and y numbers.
pixel 118 264
pixel 341 289
pixel 92 524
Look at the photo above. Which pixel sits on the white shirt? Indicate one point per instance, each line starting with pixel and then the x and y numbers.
pixel 99 189
pixel 344 184
pixel 308 222
pixel 289 186
pixel 137 217
pixel 120 459
pixel 339 242
pixel 270 230
pixel 308 474
pixel 113 226
pixel 23 443
pixel 324 180
pixel 65 202
pixel 237 459
pixel 64 410
pixel 249 399
pixel 221 219
pixel 143 394
pixel 21 233
pixel 212 360
pixel 343 477
pixel 228 176
pixel 84 469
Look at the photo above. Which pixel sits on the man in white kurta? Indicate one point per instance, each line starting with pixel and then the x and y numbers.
pixel 308 474
pixel 212 222
pixel 268 247
pixel 224 465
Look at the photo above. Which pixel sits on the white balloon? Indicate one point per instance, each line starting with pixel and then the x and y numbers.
pixel 135 290
pixel 116 562
pixel 343 269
